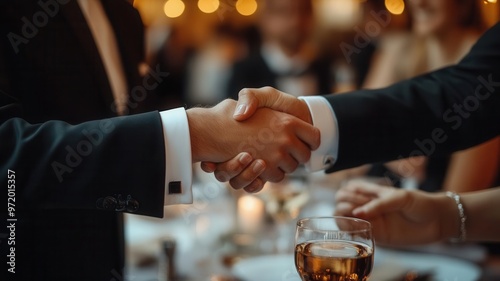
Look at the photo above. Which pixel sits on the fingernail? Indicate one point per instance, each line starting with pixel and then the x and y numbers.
pixel 240 110
pixel 221 177
pixel 251 189
pixel 245 159
pixel 258 167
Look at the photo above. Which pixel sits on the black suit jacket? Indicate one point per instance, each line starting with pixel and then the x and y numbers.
pixel 50 64
pixel 31 152
pixel 436 113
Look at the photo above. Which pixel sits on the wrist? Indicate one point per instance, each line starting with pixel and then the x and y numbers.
pixel 305 113
pixel 208 133
pixel 323 118
pixel 462 218
pixel 197 133
pixel 449 218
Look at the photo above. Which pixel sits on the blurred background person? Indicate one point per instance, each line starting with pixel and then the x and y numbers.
pixel 442 32
pixel 287 58
pixel 209 71
pixel 357 48
pixel 172 58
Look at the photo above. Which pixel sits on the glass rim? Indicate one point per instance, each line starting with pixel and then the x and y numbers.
pixel 369 228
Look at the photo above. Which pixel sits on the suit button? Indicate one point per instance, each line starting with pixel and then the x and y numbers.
pixel 132 205
pixel 109 203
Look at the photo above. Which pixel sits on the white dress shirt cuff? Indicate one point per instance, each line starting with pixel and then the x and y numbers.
pixel 178 163
pixel 325 120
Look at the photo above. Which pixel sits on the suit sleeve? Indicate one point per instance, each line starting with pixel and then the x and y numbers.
pixel 436 113
pixel 61 166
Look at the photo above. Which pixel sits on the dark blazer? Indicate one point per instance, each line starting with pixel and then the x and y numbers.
pixel 89 186
pixel 51 65
pixel 436 113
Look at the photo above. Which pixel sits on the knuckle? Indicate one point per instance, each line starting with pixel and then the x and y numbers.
pixel 351 186
pixel 247 177
pixel 277 177
pixel 304 156
pixel 233 166
pixel 236 183
pixel 221 176
pixel 243 92
pixel 281 153
pixel 287 121
pixel 227 102
pixel 280 177
pixel 267 88
pixel 294 166
pixel 254 186
pixel 243 179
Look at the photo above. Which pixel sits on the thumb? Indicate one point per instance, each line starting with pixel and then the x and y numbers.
pixel 249 100
pixel 247 104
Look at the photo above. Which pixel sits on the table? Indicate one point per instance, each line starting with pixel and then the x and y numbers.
pixel 198 230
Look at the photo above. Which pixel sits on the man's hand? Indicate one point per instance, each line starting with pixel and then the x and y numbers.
pixel 282 141
pixel 398 217
pixel 241 172
pixel 250 100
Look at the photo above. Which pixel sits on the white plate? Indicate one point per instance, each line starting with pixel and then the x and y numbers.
pixel 267 268
pixel 388 265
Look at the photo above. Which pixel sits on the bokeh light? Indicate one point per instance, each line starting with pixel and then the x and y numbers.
pixel 174 8
pixel 246 7
pixel 395 7
pixel 208 6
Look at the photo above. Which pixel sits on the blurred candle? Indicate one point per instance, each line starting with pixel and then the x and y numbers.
pixel 395 7
pixel 250 213
pixel 208 6
pixel 246 7
pixel 174 8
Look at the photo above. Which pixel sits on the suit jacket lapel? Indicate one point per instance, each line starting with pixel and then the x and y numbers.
pixel 78 24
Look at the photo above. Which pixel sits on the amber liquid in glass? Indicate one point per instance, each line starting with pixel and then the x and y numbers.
pixel 333 261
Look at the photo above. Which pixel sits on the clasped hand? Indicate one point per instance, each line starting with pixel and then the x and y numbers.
pixel 254 140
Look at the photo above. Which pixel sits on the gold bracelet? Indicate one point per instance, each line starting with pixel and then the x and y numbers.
pixel 461 212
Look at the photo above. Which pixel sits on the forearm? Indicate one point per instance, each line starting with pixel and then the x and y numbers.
pixel 58 165
pixel 464 177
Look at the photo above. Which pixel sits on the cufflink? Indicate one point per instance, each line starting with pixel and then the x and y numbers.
pixel 132 205
pixel 328 161
pixel 107 203
pixel 174 187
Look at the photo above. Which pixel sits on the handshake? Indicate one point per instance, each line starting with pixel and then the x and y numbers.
pixel 264 135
